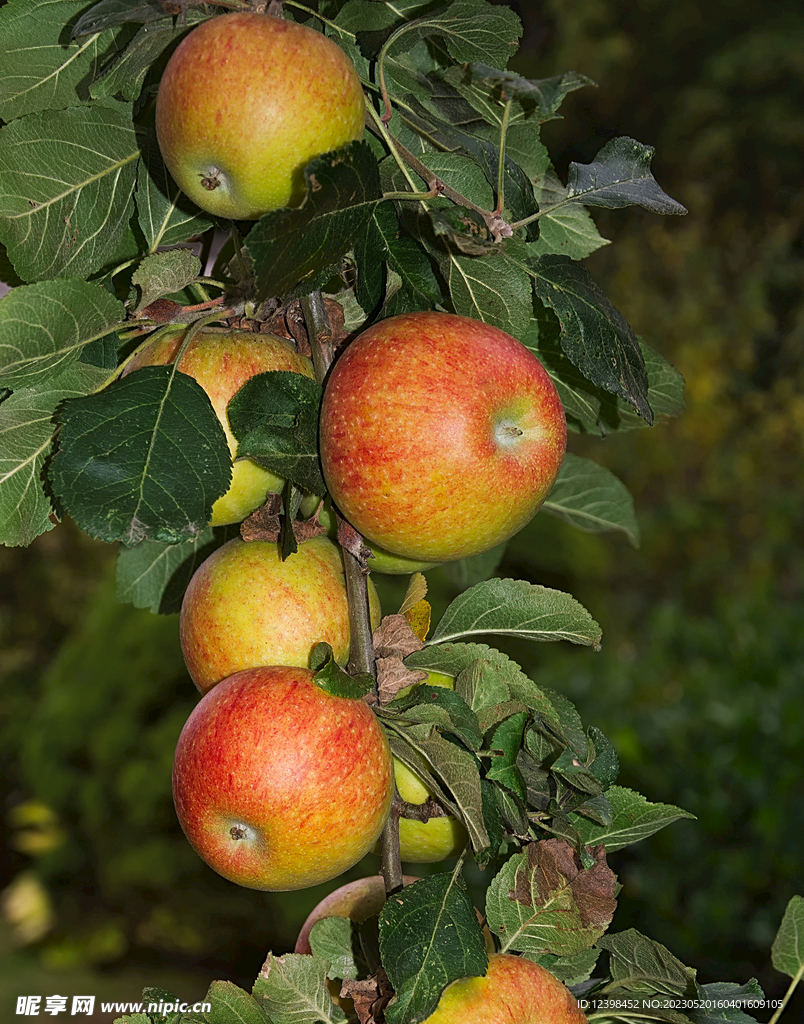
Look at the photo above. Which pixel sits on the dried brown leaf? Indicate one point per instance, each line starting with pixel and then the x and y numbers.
pixel 393 676
pixel 370 997
pixel 555 865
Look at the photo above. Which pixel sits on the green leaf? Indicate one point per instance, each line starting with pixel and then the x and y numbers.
pixel 142 460
pixel 634 819
pixel 495 288
pixel 471 30
pixel 722 1000
pixel 331 678
pixel 126 75
pixel 26 439
pixel 565 227
pixel 441 707
pixel 109 13
pixel 788 946
pixel 620 176
pixel 233 1005
pixel 154 574
pixel 572 970
pixel 429 937
pixel 516 608
pixel 292 989
pixel 151 994
pixel 606 763
pixel 594 334
pixel 66 189
pixel 274 417
pixel 591 408
pixel 647 966
pixel 164 273
pixel 336 940
pixel 505 745
pixel 540 98
pixel 592 498
pixel 44 328
pixel 294 250
pixel 544 901
pixel 165 215
pixel 40 71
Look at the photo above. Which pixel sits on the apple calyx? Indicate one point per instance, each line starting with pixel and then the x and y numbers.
pixel 212 180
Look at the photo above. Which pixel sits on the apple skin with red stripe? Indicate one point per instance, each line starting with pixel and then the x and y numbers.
pixel 279 784
pixel 440 435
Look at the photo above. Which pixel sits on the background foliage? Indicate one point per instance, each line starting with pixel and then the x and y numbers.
pixel 698 683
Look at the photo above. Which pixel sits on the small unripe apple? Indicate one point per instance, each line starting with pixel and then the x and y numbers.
pixel 221 362
pixel 245 607
pixel 425 842
pixel 440 435
pixel 514 990
pixel 278 784
pixel 245 102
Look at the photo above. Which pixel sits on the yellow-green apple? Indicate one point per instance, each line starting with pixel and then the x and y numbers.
pixel 245 102
pixel 278 784
pixel 245 607
pixel 513 991
pixel 425 842
pixel 440 435
pixel 221 362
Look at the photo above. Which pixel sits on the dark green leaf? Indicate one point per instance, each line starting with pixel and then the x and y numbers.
pixel 505 745
pixel 335 939
pixel 722 1001
pixel 274 417
pixel 429 937
pixel 109 13
pixel 620 176
pixel 294 250
pixel 647 966
pixel 334 680
pixel 606 764
pixel 471 30
pixel 164 273
pixel 142 460
pixel 634 818
pixel 444 708
pixel 594 334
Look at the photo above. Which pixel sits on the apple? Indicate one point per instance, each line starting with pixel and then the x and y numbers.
pixel 278 784
pixel 425 842
pixel 245 102
pixel 440 435
pixel 245 607
pixel 514 990
pixel 221 362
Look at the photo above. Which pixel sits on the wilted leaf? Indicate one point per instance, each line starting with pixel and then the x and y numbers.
pixel 544 901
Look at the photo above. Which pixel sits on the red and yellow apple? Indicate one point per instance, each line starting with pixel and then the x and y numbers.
pixel 245 102
pixel 245 607
pixel 278 784
pixel 513 991
pixel 221 362
pixel 440 435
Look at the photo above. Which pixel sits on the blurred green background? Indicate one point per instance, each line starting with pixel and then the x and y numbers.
pixel 699 683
